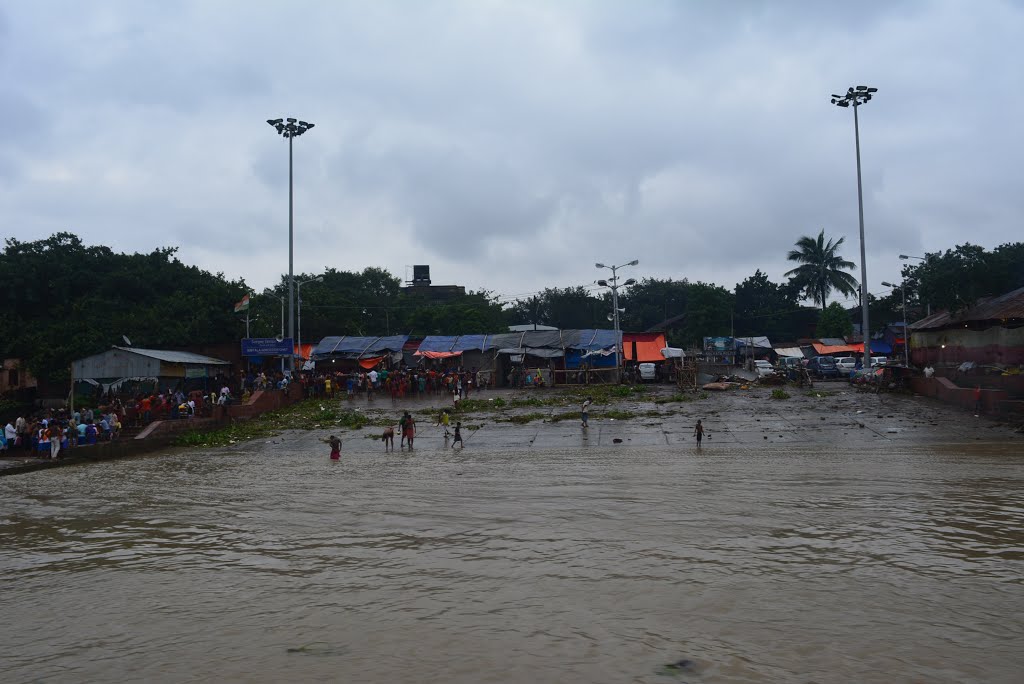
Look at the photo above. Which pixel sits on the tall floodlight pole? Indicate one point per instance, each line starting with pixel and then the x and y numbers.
pixel 614 287
pixel 290 128
pixel 906 330
pixel 856 97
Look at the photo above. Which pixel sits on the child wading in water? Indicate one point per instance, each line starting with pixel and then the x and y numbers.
pixel 458 436
pixel 335 447
pixel 698 432
pixel 443 420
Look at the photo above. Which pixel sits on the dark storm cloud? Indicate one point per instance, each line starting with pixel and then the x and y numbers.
pixel 511 144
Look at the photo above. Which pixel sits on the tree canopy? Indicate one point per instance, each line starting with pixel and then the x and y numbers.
pixel 821 269
pixel 67 300
pixel 958 277
pixel 834 321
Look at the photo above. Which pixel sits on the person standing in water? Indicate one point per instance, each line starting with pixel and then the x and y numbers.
pixel 586 407
pixel 335 447
pixel 458 435
pixel 698 432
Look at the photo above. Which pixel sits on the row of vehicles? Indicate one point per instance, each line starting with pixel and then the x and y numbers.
pixel 818 366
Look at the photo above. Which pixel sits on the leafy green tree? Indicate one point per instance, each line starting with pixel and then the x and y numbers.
pixel 67 300
pixel 569 307
pixel 821 269
pixel 708 314
pixel 834 321
pixel 957 278
pixel 654 304
pixel 767 308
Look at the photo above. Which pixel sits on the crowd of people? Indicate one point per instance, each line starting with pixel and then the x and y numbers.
pixel 402 383
pixel 58 431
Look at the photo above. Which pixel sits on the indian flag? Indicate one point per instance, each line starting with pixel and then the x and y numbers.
pixel 242 305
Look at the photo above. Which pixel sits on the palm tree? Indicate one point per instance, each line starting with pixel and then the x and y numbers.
pixel 820 267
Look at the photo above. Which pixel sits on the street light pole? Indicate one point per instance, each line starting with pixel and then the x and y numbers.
pixel 906 330
pixel 298 292
pixel 290 128
pixel 856 97
pixel 614 287
pixel 927 305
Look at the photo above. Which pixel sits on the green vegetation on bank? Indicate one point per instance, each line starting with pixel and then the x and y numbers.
pixel 305 415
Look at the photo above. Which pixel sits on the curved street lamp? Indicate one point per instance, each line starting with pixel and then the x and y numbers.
pixel 614 286
pixel 928 305
pixel 856 97
pixel 290 129
pixel 906 330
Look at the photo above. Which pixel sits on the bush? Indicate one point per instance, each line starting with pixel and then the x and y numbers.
pixel 779 394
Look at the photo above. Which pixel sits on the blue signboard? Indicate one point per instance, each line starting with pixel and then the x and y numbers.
pixel 267 346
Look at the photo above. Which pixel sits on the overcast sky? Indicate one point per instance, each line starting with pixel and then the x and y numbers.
pixel 511 144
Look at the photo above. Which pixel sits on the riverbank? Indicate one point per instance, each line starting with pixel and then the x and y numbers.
pixel 832 414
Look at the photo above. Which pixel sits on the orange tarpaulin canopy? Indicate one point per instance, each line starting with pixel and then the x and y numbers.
pixel 648 346
pixel 370 363
pixel 824 349
pixel 437 355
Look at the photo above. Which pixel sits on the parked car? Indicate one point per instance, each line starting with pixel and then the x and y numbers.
pixel 787 362
pixel 823 367
pixel 648 372
pixel 763 368
pixel 846 363
pixel 878 361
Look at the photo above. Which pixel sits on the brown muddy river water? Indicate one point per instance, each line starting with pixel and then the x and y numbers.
pixel 519 560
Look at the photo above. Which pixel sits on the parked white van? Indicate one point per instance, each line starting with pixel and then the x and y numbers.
pixel 648 373
pixel 846 363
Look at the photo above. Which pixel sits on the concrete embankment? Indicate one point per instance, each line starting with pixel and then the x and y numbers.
pixel 159 434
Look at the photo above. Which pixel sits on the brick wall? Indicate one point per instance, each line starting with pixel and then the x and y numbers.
pixel 946 390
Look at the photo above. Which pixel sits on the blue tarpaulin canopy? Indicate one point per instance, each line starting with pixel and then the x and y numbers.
pixel 438 343
pixel 348 347
pixel 880 347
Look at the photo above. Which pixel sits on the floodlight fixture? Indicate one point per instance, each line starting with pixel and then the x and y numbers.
pixel 614 285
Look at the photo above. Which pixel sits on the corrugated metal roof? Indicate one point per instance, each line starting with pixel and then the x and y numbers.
pixel 1005 306
pixel 176 356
